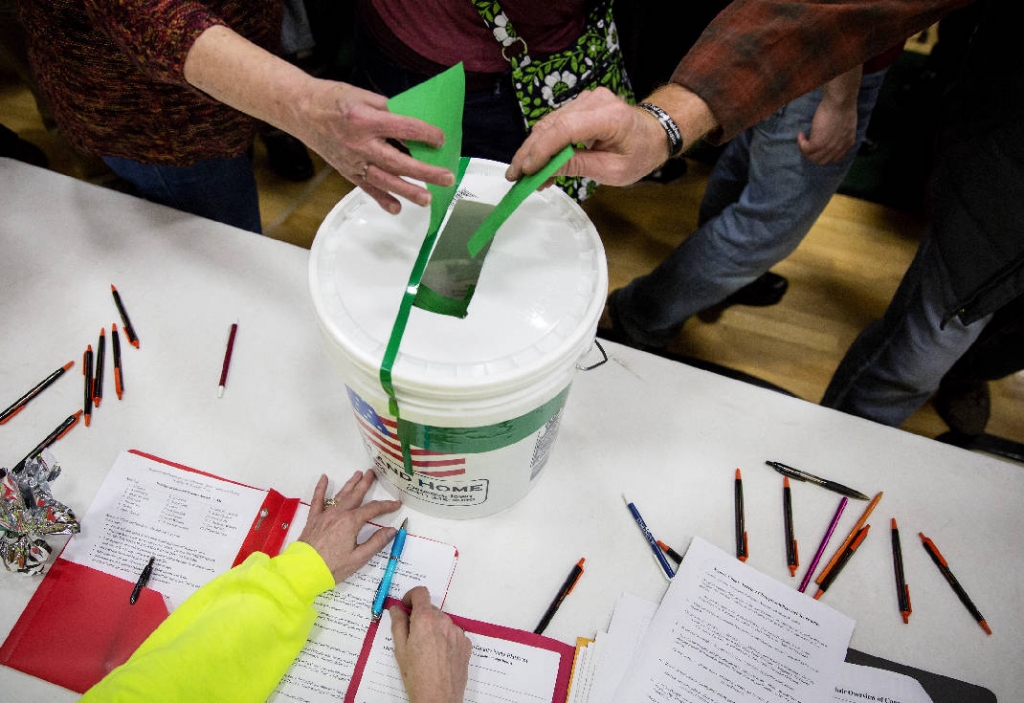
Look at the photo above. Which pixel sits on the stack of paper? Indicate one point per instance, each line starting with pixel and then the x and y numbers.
pixel 726 632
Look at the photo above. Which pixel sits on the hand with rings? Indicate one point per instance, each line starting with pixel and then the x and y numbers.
pixel 351 129
pixel 332 533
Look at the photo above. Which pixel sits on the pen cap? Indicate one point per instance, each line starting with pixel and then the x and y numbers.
pixel 480 396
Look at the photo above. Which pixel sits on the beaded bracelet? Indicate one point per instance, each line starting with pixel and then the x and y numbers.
pixel 672 131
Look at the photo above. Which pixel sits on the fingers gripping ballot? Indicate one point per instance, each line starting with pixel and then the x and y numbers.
pixel 332 527
pixel 351 128
pixel 622 144
pixel 432 651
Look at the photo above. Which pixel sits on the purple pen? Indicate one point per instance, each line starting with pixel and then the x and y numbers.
pixel 824 543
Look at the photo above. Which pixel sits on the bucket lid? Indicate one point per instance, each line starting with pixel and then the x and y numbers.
pixel 536 305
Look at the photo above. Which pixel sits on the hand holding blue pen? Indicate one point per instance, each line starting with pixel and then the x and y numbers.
pixel 658 553
pixel 389 573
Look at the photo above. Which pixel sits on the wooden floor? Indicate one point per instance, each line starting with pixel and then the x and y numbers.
pixel 840 278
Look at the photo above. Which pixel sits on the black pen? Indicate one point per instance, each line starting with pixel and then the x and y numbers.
pixel 97 379
pixel 902 589
pixel 672 554
pixel 133 338
pixel 841 562
pixel 143 580
pixel 566 589
pixel 87 373
pixel 61 430
pixel 115 347
pixel 940 562
pixel 811 478
pixel 21 402
pixel 741 532
pixel 792 554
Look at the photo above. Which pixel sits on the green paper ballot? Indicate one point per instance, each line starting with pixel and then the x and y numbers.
pixel 448 288
pixel 513 199
pixel 438 101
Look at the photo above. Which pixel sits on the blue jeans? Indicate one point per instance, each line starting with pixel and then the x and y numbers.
pixel 223 190
pixel 762 198
pixel 895 365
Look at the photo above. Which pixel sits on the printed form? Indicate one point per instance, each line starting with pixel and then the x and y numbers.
pixel 725 632
pixel 195 525
pixel 500 669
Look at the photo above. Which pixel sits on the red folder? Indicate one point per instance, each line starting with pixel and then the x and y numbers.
pixel 565 653
pixel 79 625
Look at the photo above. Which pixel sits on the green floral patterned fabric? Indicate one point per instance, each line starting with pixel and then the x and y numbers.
pixel 595 59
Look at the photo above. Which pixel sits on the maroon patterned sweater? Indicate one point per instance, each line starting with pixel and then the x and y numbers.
pixel 113 74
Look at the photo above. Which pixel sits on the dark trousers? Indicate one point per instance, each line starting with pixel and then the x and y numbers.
pixel 492 122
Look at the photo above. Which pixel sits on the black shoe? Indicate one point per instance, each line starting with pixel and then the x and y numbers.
pixel 765 290
pixel 15 147
pixel 615 333
pixel 964 406
pixel 288 157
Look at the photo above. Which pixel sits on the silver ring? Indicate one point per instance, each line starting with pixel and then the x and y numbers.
pixel 366 166
pixel 329 503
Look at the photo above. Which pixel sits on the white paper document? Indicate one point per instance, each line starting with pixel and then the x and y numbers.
pixel 727 633
pixel 630 620
pixel 192 523
pixel 857 684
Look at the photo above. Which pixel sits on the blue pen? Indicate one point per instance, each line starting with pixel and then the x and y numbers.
pixel 658 554
pixel 389 573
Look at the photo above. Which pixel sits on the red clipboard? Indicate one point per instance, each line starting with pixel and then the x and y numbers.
pixel 565 652
pixel 79 624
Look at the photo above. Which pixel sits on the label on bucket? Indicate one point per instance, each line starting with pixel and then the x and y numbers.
pixel 479 470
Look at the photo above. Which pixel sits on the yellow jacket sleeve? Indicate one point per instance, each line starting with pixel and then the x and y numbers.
pixel 232 640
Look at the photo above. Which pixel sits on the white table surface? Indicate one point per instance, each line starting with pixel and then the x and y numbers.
pixel 668 435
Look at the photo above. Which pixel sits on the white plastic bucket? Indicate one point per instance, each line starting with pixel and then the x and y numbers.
pixel 484 394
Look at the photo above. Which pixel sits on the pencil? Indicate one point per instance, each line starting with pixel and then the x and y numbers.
pixel 227 360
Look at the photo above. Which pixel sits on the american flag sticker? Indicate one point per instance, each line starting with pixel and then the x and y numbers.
pixel 381 436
